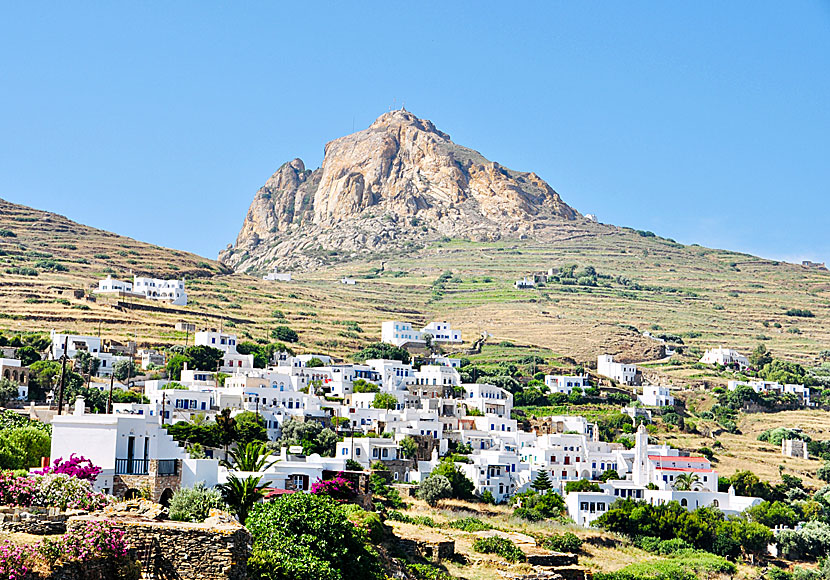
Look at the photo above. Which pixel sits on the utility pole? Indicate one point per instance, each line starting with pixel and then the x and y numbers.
pixel 63 374
pixel 109 398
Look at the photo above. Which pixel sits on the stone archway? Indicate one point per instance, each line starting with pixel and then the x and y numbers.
pixel 132 493
pixel 166 496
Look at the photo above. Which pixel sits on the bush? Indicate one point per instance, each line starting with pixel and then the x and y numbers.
pixel 535 507
pixel 500 546
pixel 284 333
pixel 800 312
pixel 368 523
pixel 92 541
pixel 568 542
pixel 435 488
pixel 306 537
pixel 16 561
pixel 338 488
pixel 194 504
pixel 811 542
pixel 462 487
pixel 470 524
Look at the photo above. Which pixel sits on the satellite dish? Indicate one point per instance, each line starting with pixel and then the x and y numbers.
pixel 295 450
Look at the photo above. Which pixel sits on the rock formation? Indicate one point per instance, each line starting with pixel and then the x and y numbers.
pixel 401 180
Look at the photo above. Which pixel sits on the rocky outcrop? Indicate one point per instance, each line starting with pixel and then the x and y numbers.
pixel 401 180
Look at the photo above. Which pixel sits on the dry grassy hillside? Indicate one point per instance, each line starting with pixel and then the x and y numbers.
pixel 709 297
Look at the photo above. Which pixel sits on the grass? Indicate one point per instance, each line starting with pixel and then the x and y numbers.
pixel 681 285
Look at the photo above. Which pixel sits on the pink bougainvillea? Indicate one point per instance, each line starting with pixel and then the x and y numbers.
pixel 16 561
pixel 76 466
pixel 337 487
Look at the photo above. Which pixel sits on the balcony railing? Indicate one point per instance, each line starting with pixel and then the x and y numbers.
pixel 142 467
pixel 132 466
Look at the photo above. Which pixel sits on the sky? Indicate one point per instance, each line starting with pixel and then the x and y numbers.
pixel 707 122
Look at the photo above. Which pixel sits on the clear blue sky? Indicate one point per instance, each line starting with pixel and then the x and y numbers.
pixel 707 122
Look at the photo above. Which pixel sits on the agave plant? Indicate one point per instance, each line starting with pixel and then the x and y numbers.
pixel 241 494
pixel 252 457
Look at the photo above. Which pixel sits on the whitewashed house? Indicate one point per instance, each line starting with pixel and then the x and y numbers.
pixel 162 290
pixel 442 333
pixel 566 384
pixel 656 396
pixel 13 370
pixel 401 334
pixel 724 357
pixel 622 373
pixel 110 285
pixel 133 450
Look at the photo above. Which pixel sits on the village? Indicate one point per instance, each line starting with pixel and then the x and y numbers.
pixel 408 415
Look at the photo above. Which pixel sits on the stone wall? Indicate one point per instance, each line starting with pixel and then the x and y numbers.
pixel 155 483
pixel 37 521
pixel 186 551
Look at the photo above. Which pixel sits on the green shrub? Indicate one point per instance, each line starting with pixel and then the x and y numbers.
pixel 193 504
pixel 499 546
pixel 368 523
pixel 567 542
pixel 307 537
pixel 470 524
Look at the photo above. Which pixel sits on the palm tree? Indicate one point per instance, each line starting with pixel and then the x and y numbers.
pixel 252 457
pixel 686 482
pixel 241 494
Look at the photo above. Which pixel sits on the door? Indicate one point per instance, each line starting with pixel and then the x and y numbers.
pixel 130 454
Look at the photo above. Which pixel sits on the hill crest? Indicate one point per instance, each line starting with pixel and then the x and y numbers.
pixel 400 180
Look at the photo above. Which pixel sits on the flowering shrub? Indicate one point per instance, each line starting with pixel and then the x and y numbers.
pixel 67 492
pixel 76 466
pixel 53 490
pixel 337 487
pixel 16 490
pixel 15 561
pixel 95 540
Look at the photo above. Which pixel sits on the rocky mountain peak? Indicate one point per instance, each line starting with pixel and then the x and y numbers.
pixel 400 179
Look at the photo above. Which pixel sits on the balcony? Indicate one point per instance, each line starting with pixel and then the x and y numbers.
pixel 142 466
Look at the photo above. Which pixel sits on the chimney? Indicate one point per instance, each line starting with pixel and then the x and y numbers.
pixel 80 406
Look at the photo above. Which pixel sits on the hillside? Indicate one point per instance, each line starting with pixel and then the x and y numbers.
pixel 455 232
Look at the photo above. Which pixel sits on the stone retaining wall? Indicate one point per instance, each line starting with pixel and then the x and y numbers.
pixel 185 551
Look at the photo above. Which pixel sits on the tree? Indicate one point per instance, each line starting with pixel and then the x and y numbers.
pixel 382 350
pixel 823 472
pixel 42 377
pixel 435 488
pixel 760 357
pixel 123 370
pixel 609 474
pixel 86 363
pixel 241 494
pixel 227 427
pixel 175 364
pixel 119 396
pixel 250 428
pixel 363 386
pixel 686 482
pixel 352 465
pixel 204 358
pixel 408 447
pixel 27 355
pixel 284 333
pixel 542 482
pixel 462 487
pixel 314 362
pixel 581 485
pixel 8 391
pixel 250 457
pixel 386 401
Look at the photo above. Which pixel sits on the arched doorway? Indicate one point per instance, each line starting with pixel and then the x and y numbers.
pixel 166 496
pixel 132 493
